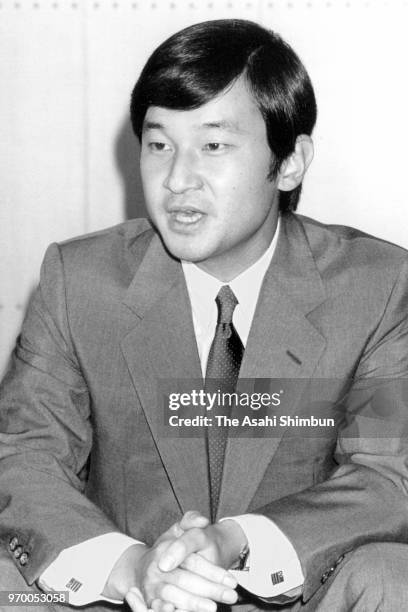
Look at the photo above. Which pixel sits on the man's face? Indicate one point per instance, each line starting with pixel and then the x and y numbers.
pixel 205 179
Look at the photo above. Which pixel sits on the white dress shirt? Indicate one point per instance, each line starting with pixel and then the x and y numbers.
pixel 203 289
pixel 271 552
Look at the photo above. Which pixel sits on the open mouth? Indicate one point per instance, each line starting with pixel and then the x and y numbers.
pixel 186 216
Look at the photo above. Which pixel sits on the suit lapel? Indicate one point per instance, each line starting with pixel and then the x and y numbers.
pixel 161 346
pixel 282 344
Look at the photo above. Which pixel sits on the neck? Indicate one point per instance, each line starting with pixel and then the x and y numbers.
pixel 228 266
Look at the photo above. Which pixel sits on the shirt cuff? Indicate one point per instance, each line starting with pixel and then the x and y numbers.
pixel 272 566
pixel 83 569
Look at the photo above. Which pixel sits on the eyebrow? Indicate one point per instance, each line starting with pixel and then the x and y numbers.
pixel 222 124
pixel 152 125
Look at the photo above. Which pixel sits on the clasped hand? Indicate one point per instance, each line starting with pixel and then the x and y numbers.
pixel 185 569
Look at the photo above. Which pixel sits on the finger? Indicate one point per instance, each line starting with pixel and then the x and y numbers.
pixel 185 600
pixel 199 565
pixel 192 518
pixel 191 541
pixel 197 585
pixel 175 531
pixel 135 600
pixel 158 605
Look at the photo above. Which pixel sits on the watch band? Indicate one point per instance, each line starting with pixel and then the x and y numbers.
pixel 242 563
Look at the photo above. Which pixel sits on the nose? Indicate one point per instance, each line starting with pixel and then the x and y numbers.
pixel 183 173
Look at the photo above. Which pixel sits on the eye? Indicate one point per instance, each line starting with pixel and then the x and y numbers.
pixel 216 147
pixel 159 147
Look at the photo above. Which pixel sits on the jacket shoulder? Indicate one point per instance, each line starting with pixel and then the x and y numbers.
pixel 352 261
pixel 114 252
pixel 341 243
pixel 127 232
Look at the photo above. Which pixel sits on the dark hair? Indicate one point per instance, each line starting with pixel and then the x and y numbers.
pixel 194 65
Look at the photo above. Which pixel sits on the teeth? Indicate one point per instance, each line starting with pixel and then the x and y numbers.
pixel 187 216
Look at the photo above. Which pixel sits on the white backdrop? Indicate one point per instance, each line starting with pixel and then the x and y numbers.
pixel 69 161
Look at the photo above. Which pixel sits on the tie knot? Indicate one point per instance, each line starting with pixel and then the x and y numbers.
pixel 226 302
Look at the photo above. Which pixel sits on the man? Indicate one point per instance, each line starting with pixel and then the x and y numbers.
pixel 228 284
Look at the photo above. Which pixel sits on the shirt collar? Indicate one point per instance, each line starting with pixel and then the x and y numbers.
pixel 203 288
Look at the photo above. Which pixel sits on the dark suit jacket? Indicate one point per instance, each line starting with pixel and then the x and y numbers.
pixel 79 408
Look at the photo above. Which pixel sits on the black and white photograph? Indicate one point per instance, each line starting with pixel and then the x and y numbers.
pixel 204 305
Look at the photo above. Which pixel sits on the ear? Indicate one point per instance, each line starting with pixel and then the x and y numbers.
pixel 294 167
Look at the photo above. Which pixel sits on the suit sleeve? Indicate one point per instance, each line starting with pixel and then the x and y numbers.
pixel 268 577
pixel 86 568
pixel 45 436
pixel 365 498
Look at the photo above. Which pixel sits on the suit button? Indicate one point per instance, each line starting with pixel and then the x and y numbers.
pixel 24 558
pixel 18 551
pixel 13 543
pixel 324 577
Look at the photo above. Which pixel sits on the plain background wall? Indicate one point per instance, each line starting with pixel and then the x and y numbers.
pixel 69 163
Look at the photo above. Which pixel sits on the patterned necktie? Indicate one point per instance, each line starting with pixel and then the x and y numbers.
pixel 224 361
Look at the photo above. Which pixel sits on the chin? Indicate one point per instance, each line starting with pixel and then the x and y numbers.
pixel 187 252
pixel 191 255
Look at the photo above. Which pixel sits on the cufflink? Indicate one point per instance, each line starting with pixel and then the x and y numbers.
pixel 277 577
pixel 73 585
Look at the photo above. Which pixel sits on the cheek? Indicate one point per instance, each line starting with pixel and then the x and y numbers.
pixel 249 190
pixel 152 171
pixel 151 182
pixel 229 185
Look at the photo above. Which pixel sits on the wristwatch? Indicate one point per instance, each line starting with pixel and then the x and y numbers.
pixel 243 560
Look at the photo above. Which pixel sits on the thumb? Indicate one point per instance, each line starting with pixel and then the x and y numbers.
pixel 175 531
pixel 193 518
pixel 135 600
